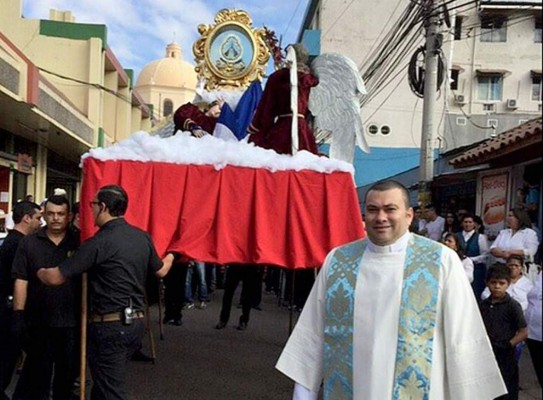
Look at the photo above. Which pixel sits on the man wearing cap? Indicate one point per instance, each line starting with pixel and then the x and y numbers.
pixel 117 258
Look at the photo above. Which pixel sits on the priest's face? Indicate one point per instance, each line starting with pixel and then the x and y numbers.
pixel 387 216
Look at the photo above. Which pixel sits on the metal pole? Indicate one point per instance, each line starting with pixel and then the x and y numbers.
pixel 428 111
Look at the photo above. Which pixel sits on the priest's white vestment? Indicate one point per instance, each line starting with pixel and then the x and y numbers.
pixel 463 365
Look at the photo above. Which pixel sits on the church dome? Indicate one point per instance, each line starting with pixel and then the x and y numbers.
pixel 170 71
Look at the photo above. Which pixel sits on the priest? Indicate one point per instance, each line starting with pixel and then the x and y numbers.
pixel 391 317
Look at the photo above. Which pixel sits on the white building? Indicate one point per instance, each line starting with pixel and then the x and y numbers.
pixel 492 55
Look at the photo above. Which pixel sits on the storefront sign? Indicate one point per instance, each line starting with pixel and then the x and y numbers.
pixel 24 163
pixel 493 202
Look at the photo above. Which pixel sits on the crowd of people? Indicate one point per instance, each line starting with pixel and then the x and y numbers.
pixel 503 276
pixel 41 262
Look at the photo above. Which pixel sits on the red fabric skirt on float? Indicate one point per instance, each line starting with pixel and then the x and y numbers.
pixel 235 214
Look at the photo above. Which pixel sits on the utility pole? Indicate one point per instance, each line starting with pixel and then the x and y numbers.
pixel 433 43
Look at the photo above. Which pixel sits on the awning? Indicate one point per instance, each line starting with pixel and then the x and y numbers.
pixel 535 72
pixel 458 68
pixel 525 137
pixel 502 72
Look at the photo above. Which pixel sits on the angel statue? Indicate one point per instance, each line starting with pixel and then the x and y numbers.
pixel 330 91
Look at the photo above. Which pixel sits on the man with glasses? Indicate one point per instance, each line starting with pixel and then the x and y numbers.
pixel 118 258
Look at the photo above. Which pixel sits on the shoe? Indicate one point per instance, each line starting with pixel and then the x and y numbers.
pixel 258 308
pixel 139 356
pixel 175 322
pixel 242 326
pixel 202 305
pixel 188 306
pixel 220 325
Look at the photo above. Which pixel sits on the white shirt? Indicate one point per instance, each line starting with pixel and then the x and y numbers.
pixel 533 314
pixel 518 290
pixel 8 223
pixel 468 268
pixel 463 365
pixel 435 228
pixel 483 246
pixel 525 240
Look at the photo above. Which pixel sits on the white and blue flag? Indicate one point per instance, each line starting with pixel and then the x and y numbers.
pixel 232 125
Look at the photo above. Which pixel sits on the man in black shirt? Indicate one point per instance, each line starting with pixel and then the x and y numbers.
pixel 46 316
pixel 117 259
pixel 26 217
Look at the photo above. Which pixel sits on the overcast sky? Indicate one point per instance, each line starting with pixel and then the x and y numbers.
pixel 139 30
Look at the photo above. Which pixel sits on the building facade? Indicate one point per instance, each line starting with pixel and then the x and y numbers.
pixel 62 92
pixel 490 56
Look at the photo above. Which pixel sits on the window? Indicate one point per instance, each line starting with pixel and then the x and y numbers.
pixel 536 87
pixel 385 130
pixel 458 28
pixel 373 129
pixel 493 28
pixel 489 87
pixel 461 121
pixel 168 108
pixel 489 107
pixel 537 30
pixel 454 79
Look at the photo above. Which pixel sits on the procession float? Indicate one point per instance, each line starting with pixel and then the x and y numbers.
pixel 237 198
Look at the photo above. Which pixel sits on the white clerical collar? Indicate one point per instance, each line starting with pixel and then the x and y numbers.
pixel 396 247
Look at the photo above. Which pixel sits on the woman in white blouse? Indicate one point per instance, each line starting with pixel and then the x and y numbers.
pixel 518 239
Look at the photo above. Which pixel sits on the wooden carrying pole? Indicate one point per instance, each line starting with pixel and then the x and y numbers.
pixel 83 353
pixel 150 331
pixel 160 300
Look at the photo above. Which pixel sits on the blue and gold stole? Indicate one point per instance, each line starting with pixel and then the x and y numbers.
pixel 416 326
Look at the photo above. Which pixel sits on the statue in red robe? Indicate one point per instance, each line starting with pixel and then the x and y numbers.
pixel 271 124
pixel 190 118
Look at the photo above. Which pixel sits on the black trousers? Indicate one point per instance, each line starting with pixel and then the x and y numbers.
pixel 251 277
pixel 49 356
pixel 536 353
pixel 509 369
pixel 174 291
pixel 111 344
pixel 9 348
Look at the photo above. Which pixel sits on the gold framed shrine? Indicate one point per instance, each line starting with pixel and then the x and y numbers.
pixel 230 53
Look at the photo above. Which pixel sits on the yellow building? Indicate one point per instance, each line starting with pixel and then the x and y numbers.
pixel 62 92
pixel 167 83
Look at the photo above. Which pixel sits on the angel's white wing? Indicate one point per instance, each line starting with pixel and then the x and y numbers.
pixel 335 104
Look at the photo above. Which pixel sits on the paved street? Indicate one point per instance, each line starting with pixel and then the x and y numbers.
pixel 198 362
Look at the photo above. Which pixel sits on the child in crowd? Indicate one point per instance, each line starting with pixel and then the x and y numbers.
pixel 451 240
pixel 505 325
